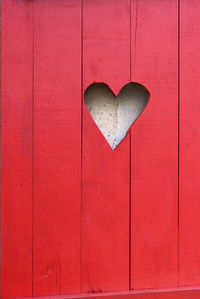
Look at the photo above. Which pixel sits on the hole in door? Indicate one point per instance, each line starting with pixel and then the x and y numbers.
pixel 114 115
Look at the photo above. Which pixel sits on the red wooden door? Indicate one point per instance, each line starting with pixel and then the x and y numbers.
pixel 77 217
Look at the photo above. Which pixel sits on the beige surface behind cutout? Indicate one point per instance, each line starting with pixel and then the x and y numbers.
pixel 115 115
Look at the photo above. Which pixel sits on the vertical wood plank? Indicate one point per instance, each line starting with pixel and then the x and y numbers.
pixel 106 58
pixel 16 168
pixel 57 147
pixel 189 142
pixel 155 146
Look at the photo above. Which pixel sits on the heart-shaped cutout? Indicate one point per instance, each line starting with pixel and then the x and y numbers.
pixel 114 115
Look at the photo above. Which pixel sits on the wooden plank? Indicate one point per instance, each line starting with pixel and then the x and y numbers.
pixel 155 146
pixel 189 143
pixel 16 171
pixel 171 293
pixel 57 147
pixel 105 232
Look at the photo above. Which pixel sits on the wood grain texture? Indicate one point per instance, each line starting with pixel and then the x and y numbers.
pixel 171 293
pixel 106 58
pixel 78 239
pixel 16 168
pixel 189 143
pixel 57 147
pixel 154 145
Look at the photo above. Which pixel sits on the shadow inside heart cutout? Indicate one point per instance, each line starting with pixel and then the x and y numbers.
pixel 114 115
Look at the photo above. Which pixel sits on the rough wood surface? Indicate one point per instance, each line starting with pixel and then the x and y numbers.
pixel 77 217
pixel 154 146
pixel 57 147
pixel 16 142
pixel 171 293
pixel 189 143
pixel 105 181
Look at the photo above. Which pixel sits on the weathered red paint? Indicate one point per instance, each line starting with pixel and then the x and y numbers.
pixel 105 173
pixel 171 293
pixel 16 154
pixel 77 217
pixel 154 147
pixel 189 144
pixel 57 148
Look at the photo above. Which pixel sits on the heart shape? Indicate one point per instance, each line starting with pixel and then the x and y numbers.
pixel 114 115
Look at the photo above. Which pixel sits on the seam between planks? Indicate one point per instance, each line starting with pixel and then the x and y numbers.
pixel 134 63
pixel 178 140
pixel 130 218
pixel 81 220
pixel 33 100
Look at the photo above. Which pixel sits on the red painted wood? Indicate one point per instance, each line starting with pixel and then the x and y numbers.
pixel 57 147
pixel 105 233
pixel 189 143
pixel 154 145
pixel 171 293
pixel 16 171
pixel 60 232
